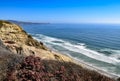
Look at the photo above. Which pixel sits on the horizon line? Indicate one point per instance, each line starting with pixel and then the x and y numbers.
pixel 117 23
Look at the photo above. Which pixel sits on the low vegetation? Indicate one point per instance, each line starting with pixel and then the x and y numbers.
pixel 34 69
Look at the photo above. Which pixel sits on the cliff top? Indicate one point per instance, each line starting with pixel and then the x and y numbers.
pixel 12 33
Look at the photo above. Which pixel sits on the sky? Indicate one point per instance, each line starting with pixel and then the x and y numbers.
pixel 61 11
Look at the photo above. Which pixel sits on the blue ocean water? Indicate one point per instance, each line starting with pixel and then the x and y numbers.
pixel 95 44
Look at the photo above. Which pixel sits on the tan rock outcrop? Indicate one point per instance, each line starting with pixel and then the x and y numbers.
pixel 19 42
pixel 15 44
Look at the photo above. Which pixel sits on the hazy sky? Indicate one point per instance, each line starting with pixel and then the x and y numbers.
pixel 61 11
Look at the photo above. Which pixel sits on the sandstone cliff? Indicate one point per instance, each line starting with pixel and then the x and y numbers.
pixel 19 42
pixel 15 44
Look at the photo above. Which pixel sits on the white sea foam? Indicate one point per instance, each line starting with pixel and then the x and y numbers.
pixel 79 48
pixel 115 53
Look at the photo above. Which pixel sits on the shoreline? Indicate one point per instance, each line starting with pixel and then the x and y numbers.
pixel 94 68
pixel 86 65
pixel 82 63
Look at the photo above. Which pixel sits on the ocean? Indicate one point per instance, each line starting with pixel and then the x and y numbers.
pixel 95 44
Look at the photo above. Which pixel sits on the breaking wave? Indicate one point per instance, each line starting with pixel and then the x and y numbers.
pixel 79 48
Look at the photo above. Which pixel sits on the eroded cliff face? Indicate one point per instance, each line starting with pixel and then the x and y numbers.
pixel 13 34
pixel 15 38
pixel 15 44
pixel 19 42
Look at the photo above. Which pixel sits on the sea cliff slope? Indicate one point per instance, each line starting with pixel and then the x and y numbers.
pixel 19 42
pixel 20 54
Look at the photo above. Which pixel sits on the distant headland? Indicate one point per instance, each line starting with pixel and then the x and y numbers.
pixel 24 22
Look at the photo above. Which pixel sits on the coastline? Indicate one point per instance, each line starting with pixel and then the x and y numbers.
pixel 87 66
pixel 97 69
pixel 82 63
pixel 27 45
pixel 110 67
